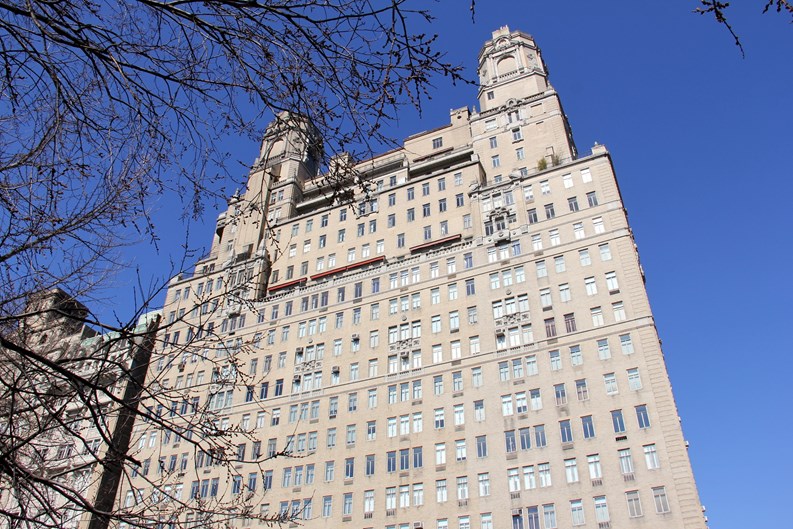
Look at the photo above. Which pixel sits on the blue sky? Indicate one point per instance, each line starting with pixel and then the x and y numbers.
pixel 699 138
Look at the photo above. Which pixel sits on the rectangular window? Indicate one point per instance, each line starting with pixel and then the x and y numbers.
pixel 601 510
pixel 481 446
pixel 532 216
pixel 484 484
pixel 597 316
pixel 634 503
pixel 661 500
pixel 566 431
pixel 634 379
pixel 626 461
pixel 642 416
pixel 569 322
pixel 651 457
pixel 581 389
pixel 593 462
pixel 619 311
pixel 588 427
pixel 617 421
pixel 550 327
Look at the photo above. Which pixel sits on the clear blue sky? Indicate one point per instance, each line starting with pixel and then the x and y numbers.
pixel 700 139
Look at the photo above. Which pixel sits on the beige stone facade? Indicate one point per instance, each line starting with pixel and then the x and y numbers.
pixel 469 346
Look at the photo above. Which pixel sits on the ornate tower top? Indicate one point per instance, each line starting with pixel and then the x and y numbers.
pixel 510 67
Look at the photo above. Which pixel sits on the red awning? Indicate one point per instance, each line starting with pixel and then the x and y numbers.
pixel 430 244
pixel 353 266
pixel 287 284
pixel 367 262
pixel 328 273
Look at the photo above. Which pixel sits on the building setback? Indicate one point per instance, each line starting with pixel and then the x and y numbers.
pixel 469 346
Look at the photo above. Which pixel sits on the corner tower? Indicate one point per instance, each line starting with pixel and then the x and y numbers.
pixel 510 66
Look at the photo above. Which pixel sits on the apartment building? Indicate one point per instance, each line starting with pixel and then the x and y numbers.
pixel 58 411
pixel 467 343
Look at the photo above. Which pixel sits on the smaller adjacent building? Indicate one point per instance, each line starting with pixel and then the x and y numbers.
pixel 61 383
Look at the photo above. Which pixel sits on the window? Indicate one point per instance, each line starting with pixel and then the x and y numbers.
pixel 441 492
pixel 597 223
pixel 462 488
pixel 660 499
pixel 581 389
pixel 611 282
pixel 476 377
pixel 437 143
pixel 542 271
pixel 566 431
pixel 481 446
pixel 440 420
pixel 592 199
pixel 576 359
pixel 571 470
pixel 642 416
pixel 591 286
pixel 651 457
pixel 626 344
pixel 583 257
pixel 549 211
pixel 610 380
pixel 459 415
pixel 564 297
pixel 495 161
pixel 601 509
pixel 604 352
pixel 556 360
pixel 535 399
pixel 569 322
pixel 634 380
pixel 484 484
pixel 588 426
pixel 400 240
pixel 634 503
pixel 493 142
pixel 597 316
pixel 440 454
pixel 572 203
pixel 619 311
pixel 550 327
pixel 452 291
pixel 577 512
pixel 532 214
pixel 473 345
pixel 618 421
pixel 593 462
pixel 544 473
pixel 626 461
pixel 559 263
